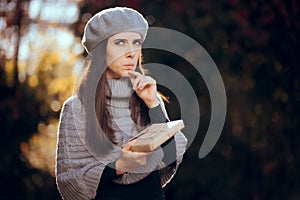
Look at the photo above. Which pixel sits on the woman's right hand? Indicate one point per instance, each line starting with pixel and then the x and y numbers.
pixel 130 160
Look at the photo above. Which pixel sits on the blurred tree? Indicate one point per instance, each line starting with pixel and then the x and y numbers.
pixel 38 56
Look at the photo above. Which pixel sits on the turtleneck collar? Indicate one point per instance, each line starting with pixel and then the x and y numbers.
pixel 121 91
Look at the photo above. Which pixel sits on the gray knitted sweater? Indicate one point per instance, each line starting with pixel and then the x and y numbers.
pixel 78 171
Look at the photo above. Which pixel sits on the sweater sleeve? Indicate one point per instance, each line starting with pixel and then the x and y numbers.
pixel 77 171
pixel 171 162
pixel 157 115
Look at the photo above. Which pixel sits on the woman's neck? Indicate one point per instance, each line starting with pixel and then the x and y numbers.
pixel 120 92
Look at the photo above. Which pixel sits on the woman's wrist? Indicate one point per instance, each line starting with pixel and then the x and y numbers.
pixel 118 171
pixel 152 104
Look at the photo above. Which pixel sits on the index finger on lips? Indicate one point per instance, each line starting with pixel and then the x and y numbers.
pixel 134 77
pixel 134 73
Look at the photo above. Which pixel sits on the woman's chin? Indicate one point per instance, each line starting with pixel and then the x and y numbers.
pixel 126 74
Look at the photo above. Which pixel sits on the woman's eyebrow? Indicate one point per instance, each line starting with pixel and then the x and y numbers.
pixel 120 39
pixel 128 39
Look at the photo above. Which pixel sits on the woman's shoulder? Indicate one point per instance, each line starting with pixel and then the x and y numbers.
pixel 73 102
pixel 72 99
pixel 73 112
pixel 74 107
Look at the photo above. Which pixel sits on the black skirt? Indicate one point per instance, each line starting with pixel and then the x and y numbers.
pixel 149 188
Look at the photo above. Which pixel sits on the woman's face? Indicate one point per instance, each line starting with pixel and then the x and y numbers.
pixel 123 51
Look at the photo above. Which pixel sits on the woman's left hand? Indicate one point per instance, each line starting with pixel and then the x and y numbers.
pixel 145 88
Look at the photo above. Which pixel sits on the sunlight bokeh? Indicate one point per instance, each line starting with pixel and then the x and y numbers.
pixel 49 56
pixel 54 11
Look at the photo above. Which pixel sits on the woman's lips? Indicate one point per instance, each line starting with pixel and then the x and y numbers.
pixel 129 66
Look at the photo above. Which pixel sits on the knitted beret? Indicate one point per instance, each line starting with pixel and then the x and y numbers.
pixel 111 21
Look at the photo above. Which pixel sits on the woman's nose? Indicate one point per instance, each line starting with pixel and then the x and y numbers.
pixel 130 52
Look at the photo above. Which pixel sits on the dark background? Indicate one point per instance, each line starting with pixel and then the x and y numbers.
pixel 255 45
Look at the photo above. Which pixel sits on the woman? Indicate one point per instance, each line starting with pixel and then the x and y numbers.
pixel 112 103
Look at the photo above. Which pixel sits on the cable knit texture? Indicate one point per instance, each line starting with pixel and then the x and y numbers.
pixel 78 171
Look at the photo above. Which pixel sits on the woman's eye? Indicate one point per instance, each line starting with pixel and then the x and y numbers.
pixel 119 42
pixel 137 42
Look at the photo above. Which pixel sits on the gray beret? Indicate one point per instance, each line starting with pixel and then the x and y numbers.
pixel 111 21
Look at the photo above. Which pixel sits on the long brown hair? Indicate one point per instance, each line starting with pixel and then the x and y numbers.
pixel 100 135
